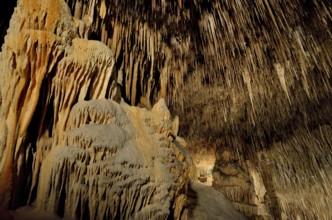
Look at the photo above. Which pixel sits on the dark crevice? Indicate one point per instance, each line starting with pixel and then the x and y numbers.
pixel 6 11
pixel 86 212
pixel 42 121
pixel 62 199
pixel 95 36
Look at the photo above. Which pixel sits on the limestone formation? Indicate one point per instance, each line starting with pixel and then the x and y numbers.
pixel 203 164
pixel 249 79
pixel 66 147
pixel 290 179
pixel 102 168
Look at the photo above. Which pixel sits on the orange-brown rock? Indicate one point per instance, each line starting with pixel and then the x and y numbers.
pixel 66 147
pixel 250 81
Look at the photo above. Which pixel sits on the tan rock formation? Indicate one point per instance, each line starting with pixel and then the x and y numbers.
pixel 204 158
pixel 289 180
pixel 66 147
pixel 115 161
pixel 251 78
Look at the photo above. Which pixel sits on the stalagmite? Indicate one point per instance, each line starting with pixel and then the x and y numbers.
pixel 66 147
pixel 110 151
pixel 249 80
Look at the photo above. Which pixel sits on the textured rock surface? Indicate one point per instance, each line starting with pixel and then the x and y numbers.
pixel 291 179
pixel 115 161
pixel 250 78
pixel 246 68
pixel 204 157
pixel 65 146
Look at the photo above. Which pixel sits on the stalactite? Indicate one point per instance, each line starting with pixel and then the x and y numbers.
pixel 66 147
pixel 216 42
pixel 254 75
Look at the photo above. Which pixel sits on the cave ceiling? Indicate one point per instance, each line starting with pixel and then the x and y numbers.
pixel 249 79
pixel 250 69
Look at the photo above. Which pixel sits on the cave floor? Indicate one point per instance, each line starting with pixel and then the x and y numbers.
pixel 207 203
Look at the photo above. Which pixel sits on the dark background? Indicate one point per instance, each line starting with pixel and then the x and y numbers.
pixel 6 11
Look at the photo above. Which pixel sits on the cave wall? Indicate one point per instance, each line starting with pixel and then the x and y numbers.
pixel 289 179
pixel 68 144
pixel 252 78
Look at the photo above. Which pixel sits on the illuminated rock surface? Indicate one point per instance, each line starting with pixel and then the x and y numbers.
pixel 66 147
pixel 249 80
